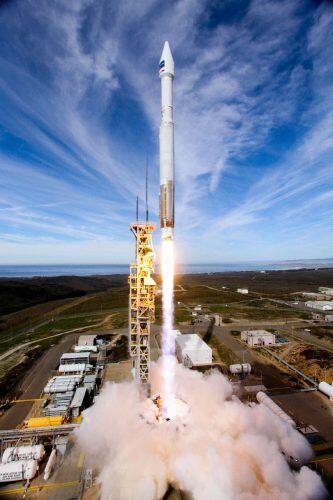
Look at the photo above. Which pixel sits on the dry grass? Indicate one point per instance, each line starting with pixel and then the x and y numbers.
pixel 312 361
pixel 118 372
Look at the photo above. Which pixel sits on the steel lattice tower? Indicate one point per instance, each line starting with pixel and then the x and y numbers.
pixel 142 300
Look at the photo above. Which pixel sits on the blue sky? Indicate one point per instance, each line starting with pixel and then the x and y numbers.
pixel 80 107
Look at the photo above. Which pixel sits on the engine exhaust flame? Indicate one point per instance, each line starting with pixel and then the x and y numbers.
pixel 168 341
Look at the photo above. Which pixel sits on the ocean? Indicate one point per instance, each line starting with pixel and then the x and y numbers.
pixel 28 271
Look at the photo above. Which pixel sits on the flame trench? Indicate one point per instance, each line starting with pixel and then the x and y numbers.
pixel 168 340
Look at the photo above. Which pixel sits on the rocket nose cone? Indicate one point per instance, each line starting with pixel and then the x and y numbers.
pixel 166 52
pixel 167 64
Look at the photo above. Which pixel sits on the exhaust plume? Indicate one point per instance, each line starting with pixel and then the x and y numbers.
pixel 168 340
pixel 220 449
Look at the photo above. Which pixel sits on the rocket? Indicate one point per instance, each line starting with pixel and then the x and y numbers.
pixel 167 165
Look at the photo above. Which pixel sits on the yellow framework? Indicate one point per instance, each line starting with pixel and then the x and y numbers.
pixel 142 300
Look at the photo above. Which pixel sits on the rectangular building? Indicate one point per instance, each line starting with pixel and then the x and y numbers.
pixel 258 338
pixel 192 346
pixel 75 357
pixel 243 291
pixel 78 401
pixel 321 305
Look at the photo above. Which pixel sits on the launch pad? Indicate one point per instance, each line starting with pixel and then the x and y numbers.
pixel 153 411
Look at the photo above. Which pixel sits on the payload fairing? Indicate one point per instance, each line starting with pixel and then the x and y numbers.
pixel 167 165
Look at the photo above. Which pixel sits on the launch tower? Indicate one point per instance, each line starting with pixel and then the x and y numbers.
pixel 141 300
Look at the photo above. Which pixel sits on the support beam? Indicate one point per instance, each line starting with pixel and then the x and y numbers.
pixel 142 300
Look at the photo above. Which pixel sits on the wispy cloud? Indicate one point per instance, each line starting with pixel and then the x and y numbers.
pixel 79 104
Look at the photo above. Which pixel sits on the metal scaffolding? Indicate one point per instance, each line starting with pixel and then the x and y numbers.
pixel 142 300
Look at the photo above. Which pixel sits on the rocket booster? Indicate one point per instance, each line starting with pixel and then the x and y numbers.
pixel 167 165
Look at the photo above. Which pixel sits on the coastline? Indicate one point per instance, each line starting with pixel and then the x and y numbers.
pixel 94 270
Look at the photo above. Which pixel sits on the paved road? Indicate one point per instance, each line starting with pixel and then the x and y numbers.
pixel 272 377
pixel 34 382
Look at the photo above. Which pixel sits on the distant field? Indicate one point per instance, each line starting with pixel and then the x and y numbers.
pixel 9 341
pixel 194 294
pixel 35 308
pixel 275 283
pixel 104 301
pixel 257 313
pixel 20 319
pixel 20 293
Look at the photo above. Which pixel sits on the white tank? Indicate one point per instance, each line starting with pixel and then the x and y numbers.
pixel 72 368
pixel 326 388
pixel 12 454
pixel 269 403
pixel 240 368
pixel 50 464
pixel 18 471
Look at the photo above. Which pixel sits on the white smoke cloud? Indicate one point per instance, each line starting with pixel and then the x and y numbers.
pixel 221 449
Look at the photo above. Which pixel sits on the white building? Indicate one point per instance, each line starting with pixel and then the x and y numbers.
pixel 243 291
pixel 257 338
pixel 75 357
pixel 326 290
pixel 321 305
pixel 329 318
pixel 192 350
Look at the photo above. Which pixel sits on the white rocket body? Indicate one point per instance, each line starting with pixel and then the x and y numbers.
pixel 167 164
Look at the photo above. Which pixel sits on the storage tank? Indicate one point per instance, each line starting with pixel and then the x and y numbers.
pixel 269 403
pixel 12 453
pixel 240 368
pixel 326 388
pixel 50 464
pixel 18 471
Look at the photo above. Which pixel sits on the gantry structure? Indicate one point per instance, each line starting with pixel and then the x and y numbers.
pixel 142 301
